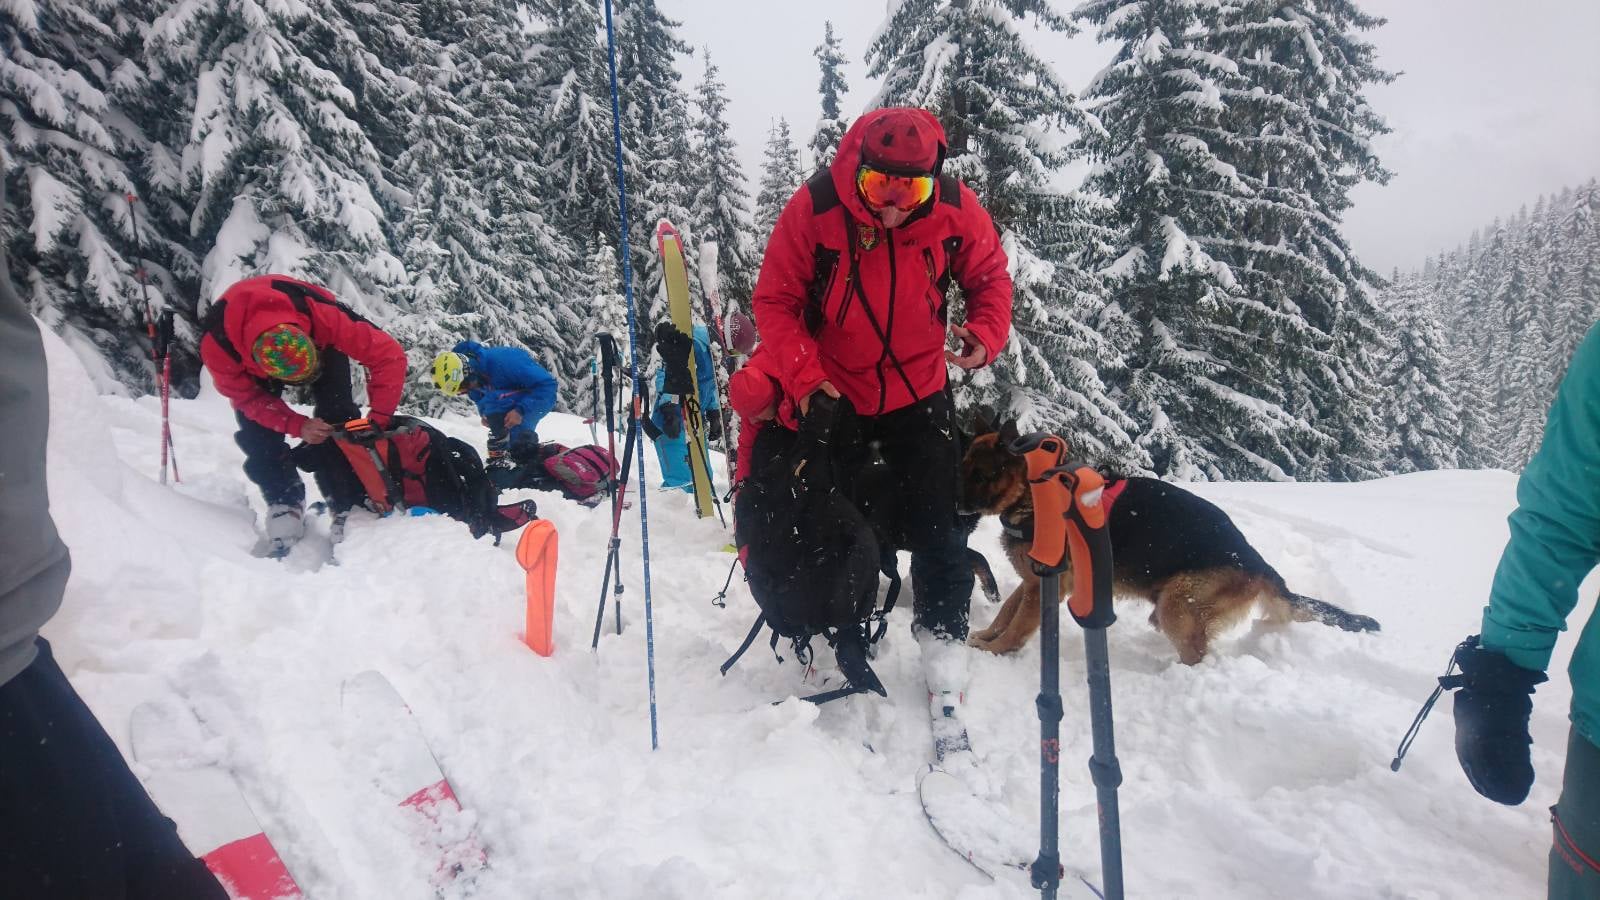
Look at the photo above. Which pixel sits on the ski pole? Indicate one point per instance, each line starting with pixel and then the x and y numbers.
pixel 633 364
pixel 1069 517
pixel 594 385
pixel 159 335
pixel 613 568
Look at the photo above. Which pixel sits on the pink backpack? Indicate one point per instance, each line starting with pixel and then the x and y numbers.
pixel 582 471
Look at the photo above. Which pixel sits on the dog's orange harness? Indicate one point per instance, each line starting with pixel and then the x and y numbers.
pixel 1108 499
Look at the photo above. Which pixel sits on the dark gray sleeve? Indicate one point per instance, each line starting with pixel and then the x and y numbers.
pixel 33 561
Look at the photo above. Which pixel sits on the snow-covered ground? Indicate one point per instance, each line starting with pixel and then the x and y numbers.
pixel 1263 772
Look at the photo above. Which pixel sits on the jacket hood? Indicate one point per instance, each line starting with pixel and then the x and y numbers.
pixel 848 159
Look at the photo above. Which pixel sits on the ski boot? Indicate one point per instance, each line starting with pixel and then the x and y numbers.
pixel 944 668
pixel 284 528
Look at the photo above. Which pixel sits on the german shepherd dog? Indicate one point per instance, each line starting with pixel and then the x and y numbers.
pixel 1169 546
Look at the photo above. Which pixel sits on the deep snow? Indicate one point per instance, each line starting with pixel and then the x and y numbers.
pixel 1263 772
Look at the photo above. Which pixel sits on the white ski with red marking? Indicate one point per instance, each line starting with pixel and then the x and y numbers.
pixel 405 770
pixel 203 798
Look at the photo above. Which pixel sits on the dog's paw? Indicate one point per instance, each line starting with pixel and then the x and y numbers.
pixel 993 645
pixel 980 642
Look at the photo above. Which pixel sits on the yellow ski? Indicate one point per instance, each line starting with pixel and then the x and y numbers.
pixel 670 244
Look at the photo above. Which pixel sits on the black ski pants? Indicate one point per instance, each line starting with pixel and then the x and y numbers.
pixel 271 465
pixel 922 448
pixel 74 821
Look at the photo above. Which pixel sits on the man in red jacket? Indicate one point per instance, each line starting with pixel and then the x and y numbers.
pixel 851 302
pixel 267 332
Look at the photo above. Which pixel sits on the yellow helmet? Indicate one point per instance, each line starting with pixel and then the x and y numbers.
pixel 451 371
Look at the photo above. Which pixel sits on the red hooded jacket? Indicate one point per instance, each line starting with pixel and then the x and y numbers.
pixel 256 304
pixel 756 386
pixel 842 299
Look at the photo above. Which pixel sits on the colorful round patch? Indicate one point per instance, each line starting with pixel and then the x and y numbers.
pixel 285 353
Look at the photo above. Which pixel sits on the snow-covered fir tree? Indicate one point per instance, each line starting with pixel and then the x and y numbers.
pixel 446 242
pixel 72 149
pixel 486 262
pixel 832 125
pixel 1004 110
pixel 603 308
pixel 577 152
pixel 283 175
pixel 1298 132
pixel 1574 275
pixel 1521 387
pixel 656 132
pixel 1203 375
pixel 1422 419
pixel 780 178
pixel 1516 300
pixel 720 206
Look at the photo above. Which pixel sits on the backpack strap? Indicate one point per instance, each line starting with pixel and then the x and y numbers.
pixel 302 296
pixel 824 194
pixel 213 325
pixel 748 640
pixel 882 616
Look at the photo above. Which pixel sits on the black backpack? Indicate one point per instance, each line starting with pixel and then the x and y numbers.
pixel 812 559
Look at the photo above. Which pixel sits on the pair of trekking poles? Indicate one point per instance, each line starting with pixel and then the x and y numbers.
pixel 1071 530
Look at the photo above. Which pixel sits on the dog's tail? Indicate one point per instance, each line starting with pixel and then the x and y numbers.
pixel 1309 609
pixel 984 574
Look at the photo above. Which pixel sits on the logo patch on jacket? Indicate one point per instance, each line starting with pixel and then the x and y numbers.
pixel 867 235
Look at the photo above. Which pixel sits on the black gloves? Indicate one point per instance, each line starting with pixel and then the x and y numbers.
pixel 675 347
pixel 1492 711
pixel 714 425
pixel 671 420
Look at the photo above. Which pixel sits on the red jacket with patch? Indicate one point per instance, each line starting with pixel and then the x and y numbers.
pixel 842 299
pixel 252 306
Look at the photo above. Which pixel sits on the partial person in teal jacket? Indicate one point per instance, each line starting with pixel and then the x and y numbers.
pixel 664 425
pixel 1555 542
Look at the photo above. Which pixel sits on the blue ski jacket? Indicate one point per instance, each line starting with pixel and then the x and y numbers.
pixel 509 379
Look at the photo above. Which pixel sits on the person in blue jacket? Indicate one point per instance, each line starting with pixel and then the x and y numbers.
pixel 512 393
pixel 664 426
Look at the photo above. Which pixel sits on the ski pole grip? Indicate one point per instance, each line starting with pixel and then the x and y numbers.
pixel 1051 499
pixel 1089 540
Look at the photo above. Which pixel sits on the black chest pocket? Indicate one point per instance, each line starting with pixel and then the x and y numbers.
pixel 937 261
pixel 824 273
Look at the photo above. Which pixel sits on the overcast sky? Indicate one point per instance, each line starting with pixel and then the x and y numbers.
pixel 1499 101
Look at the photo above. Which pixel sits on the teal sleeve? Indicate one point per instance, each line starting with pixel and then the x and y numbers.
pixel 1555 530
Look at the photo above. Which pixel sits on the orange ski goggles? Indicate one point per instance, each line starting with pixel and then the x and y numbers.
pixel 882 190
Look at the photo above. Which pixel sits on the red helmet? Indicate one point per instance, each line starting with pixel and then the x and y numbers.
pixel 741 333
pixel 901 141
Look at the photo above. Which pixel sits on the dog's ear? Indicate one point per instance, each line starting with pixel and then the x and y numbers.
pixel 983 421
pixel 1008 432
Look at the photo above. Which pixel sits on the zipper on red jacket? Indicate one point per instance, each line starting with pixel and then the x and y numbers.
pixel 888 329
